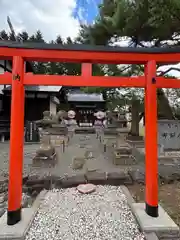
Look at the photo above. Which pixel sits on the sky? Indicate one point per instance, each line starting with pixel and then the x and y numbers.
pixel 52 17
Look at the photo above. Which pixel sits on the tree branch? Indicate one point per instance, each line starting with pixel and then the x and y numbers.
pixel 162 73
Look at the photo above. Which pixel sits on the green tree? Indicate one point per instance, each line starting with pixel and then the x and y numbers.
pixel 39 37
pixel 144 23
pixel 39 67
pixel 4 35
pixel 72 68
pixel 23 36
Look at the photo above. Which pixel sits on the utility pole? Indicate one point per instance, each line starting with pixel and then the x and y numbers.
pixel 11 28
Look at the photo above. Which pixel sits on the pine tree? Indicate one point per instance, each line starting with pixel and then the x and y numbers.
pixel 4 35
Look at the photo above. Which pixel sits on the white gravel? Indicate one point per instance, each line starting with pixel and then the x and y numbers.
pixel 68 215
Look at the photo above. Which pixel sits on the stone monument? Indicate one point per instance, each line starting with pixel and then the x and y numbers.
pixel 58 126
pixel 46 153
pixel 59 129
pixel 78 161
pixel 50 126
pixel 111 128
pixel 169 135
pixel 122 121
pixel 46 122
pixel 122 152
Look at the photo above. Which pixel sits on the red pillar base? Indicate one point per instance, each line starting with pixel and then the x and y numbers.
pixel 152 211
pixel 13 217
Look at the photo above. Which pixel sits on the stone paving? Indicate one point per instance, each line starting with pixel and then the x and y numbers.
pixel 99 166
pixel 77 146
pixel 29 153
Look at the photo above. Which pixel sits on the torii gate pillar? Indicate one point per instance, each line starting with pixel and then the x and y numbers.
pixel 151 140
pixel 16 142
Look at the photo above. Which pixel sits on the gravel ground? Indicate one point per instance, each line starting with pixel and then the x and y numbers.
pixel 68 215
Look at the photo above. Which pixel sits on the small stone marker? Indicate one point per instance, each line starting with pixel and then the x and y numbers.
pixel 86 188
pixel 31 132
pixel 88 154
pixel 169 134
pixel 78 162
pixel 46 151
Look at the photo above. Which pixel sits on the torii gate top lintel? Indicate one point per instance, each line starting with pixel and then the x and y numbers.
pixel 88 53
pixel 21 52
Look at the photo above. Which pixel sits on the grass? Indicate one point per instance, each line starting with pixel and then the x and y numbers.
pixel 169 198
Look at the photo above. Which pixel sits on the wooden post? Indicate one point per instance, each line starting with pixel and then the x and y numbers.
pixel 16 142
pixel 151 140
pixel 63 146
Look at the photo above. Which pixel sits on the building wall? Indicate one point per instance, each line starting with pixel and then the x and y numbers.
pixel 34 108
pixel 52 107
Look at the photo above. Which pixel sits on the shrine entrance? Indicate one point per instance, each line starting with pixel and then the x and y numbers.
pixel 19 53
pixel 85 117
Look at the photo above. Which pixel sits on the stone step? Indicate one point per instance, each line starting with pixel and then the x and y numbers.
pixel 85 130
pixel 124 159
pixel 110 132
pixel 123 150
pixel 122 155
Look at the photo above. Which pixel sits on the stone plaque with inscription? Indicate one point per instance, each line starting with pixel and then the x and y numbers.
pixel 169 134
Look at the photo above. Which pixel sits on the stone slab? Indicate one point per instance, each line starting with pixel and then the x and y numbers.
pixel 109 137
pixel 129 197
pixel 70 181
pixel 85 130
pixel 163 223
pixel 123 159
pixel 131 201
pixel 136 143
pixel 151 236
pixel 108 132
pixel 118 178
pixel 134 138
pixel 96 177
pixel 19 230
pixel 122 130
pixel 137 175
pixel 123 150
pixel 39 161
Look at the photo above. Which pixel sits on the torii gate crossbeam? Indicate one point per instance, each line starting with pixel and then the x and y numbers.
pixel 87 55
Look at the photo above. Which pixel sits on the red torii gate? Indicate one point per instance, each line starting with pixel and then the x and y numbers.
pixel 19 53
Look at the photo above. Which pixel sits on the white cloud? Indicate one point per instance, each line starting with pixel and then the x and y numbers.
pixel 52 17
pixel 174 73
